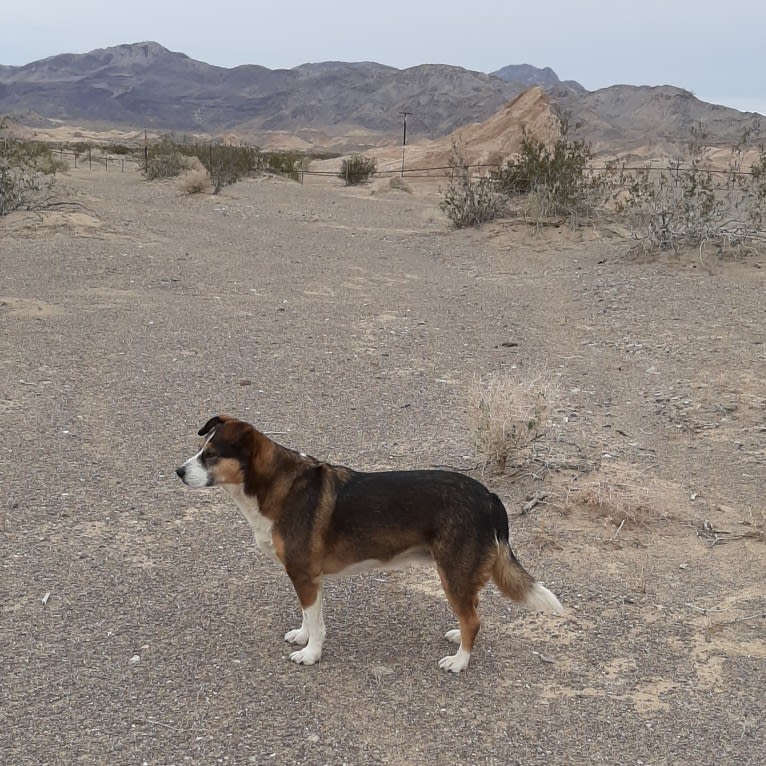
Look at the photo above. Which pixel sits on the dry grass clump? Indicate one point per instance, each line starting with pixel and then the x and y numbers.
pixel 622 503
pixel 196 180
pixel 510 412
pixel 623 497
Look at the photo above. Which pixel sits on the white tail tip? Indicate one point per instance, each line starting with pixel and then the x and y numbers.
pixel 540 598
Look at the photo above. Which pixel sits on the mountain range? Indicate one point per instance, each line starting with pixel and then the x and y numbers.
pixel 144 85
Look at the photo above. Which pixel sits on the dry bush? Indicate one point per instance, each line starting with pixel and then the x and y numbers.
pixel 399 184
pixel 622 503
pixel 196 179
pixel 26 172
pixel 693 204
pixel 468 202
pixel 510 412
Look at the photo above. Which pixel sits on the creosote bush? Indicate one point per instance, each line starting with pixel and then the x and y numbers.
pixel 223 163
pixel 287 163
pixel 164 160
pixel 26 172
pixel 686 204
pixel 555 177
pixel 690 205
pixel 357 169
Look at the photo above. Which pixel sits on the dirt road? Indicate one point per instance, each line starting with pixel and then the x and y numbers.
pixel 140 625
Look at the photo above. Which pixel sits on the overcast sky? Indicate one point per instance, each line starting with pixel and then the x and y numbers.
pixel 716 50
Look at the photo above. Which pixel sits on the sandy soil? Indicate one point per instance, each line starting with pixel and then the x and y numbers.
pixel 139 623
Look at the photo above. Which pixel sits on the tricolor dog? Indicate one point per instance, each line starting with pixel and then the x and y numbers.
pixel 321 520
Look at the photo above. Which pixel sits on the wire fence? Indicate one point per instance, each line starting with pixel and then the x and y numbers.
pixel 99 158
pixel 95 158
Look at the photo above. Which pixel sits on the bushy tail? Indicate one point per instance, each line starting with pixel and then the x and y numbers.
pixel 516 583
pixel 512 579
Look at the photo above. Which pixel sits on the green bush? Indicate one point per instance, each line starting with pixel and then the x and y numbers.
pixel 557 176
pixel 226 164
pixel 287 163
pixel 164 160
pixel 357 169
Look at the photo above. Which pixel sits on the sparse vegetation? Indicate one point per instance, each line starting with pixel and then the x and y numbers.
pixel 223 163
pixel 357 169
pixel 468 201
pixel 687 204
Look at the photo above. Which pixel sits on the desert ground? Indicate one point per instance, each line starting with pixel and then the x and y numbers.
pixel 140 625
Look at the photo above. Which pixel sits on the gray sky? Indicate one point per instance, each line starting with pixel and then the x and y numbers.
pixel 716 50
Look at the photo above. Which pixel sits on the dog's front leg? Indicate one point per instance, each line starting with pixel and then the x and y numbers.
pixel 312 630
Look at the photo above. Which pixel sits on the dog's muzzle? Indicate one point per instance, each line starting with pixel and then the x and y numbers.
pixel 194 474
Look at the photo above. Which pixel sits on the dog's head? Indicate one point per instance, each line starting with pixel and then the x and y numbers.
pixel 226 451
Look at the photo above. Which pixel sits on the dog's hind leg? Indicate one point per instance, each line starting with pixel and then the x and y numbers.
pixel 312 630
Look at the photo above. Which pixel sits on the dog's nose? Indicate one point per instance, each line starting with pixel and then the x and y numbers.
pixel 181 470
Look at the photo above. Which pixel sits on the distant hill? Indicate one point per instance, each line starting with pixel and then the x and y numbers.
pixel 529 75
pixel 146 85
pixel 335 104
pixel 658 119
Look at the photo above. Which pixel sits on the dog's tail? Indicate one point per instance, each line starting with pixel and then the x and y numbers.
pixel 510 577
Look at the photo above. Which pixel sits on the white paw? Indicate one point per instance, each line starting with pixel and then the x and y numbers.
pixel 453 636
pixel 297 636
pixel 455 662
pixel 306 656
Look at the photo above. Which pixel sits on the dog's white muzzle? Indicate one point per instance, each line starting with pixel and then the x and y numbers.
pixel 194 474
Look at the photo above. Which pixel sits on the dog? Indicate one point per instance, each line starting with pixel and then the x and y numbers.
pixel 321 521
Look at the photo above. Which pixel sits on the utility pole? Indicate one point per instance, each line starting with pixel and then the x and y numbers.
pixel 404 137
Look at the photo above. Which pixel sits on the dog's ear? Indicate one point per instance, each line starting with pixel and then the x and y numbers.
pixel 212 423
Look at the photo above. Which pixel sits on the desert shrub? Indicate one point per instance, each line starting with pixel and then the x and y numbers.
pixel 226 164
pixel 223 163
pixel 689 204
pixel 510 412
pixel 556 177
pixel 397 183
pixel 196 179
pixel 468 201
pixel 290 164
pixel 164 159
pixel 26 170
pixel 121 150
pixel 357 169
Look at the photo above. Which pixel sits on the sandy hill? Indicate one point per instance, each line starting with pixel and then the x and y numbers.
pixel 482 142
